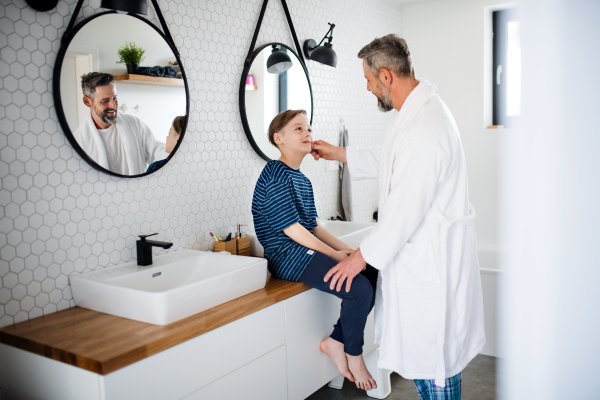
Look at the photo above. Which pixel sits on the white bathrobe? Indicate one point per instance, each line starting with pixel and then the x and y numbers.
pixel 429 305
pixel 141 149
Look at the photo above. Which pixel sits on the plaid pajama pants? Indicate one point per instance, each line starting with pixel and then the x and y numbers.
pixel 428 390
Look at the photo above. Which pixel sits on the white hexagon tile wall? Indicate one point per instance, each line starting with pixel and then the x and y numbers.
pixel 59 216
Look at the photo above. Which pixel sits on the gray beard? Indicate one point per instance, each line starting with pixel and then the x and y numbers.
pixel 384 104
pixel 106 119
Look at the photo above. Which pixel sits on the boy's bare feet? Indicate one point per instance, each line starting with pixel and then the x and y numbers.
pixel 335 351
pixel 357 367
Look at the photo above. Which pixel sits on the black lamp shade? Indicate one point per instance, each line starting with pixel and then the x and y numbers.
pixel 325 55
pixel 132 6
pixel 278 62
pixel 42 5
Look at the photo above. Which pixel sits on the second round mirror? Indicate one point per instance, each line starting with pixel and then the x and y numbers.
pixel 276 81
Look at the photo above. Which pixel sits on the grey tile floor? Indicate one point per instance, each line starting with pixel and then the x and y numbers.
pixel 479 383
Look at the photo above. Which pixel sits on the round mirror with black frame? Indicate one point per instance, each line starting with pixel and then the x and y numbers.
pixel 275 80
pixel 123 119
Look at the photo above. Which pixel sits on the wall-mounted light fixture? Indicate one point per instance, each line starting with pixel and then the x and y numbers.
pixel 279 61
pixel 130 6
pixel 323 54
pixel 42 5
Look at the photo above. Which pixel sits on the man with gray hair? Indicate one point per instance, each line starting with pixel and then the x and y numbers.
pixel 119 143
pixel 429 305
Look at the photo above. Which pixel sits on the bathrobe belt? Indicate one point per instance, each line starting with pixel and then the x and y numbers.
pixel 440 375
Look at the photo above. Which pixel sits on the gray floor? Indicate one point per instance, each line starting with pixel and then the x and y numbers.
pixel 479 383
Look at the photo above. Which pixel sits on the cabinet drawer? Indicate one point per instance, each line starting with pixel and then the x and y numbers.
pixel 262 379
pixel 187 367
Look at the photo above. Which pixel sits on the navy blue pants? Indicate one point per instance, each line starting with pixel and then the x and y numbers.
pixel 356 304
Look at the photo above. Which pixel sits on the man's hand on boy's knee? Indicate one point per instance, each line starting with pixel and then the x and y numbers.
pixel 345 271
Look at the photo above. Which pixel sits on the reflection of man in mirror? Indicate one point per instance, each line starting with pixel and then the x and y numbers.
pixel 119 143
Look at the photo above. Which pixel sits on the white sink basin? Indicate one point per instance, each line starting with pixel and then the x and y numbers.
pixel 175 286
pixel 351 233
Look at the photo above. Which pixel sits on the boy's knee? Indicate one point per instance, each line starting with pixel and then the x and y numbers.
pixel 362 290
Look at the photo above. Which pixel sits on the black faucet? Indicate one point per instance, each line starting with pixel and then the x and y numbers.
pixel 144 249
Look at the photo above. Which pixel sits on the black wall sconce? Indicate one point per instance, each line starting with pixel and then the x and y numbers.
pixel 42 5
pixel 130 6
pixel 279 61
pixel 323 54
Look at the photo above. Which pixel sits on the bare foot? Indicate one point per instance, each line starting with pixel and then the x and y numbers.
pixel 335 351
pixel 357 367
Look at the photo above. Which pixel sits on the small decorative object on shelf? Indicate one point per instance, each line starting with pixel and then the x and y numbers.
pixel 250 83
pixel 131 55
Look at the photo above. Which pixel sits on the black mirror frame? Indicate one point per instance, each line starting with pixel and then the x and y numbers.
pixel 242 95
pixel 58 101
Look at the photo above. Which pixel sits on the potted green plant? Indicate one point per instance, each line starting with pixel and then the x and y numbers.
pixel 131 55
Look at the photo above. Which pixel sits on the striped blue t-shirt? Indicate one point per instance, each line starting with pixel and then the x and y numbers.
pixel 282 197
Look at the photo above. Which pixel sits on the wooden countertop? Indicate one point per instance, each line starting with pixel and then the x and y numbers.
pixel 103 343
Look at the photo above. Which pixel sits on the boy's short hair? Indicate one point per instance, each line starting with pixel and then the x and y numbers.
pixel 178 124
pixel 280 121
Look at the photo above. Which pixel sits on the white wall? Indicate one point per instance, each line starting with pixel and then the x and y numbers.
pixel 59 216
pixel 446 40
pixel 109 32
pixel 158 105
pixel 550 214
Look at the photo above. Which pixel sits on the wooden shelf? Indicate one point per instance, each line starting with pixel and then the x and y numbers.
pixel 149 80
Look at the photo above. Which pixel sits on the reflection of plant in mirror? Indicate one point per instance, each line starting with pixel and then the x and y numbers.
pixel 130 54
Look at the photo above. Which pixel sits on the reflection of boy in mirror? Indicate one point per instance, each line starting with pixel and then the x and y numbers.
pixel 172 139
pixel 120 143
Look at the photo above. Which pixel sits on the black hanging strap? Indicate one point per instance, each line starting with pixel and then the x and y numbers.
pixel 67 33
pixel 259 23
pixel 164 26
pixel 289 20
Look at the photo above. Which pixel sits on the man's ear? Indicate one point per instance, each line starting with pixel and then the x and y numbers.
pixel 385 76
pixel 87 101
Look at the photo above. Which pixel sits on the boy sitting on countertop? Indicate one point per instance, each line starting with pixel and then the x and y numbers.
pixel 298 248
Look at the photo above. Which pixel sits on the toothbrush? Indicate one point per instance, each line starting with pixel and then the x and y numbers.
pixel 214 236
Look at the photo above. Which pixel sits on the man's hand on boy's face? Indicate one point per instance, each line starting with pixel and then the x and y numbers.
pixel 322 149
pixel 346 270
pixel 319 150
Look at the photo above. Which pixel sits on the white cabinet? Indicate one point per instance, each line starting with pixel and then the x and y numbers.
pixel 271 354
pixel 171 374
pixel 28 376
pixel 189 366
pixel 309 318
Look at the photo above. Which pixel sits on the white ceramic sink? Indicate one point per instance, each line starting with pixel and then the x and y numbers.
pixel 175 286
pixel 350 233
